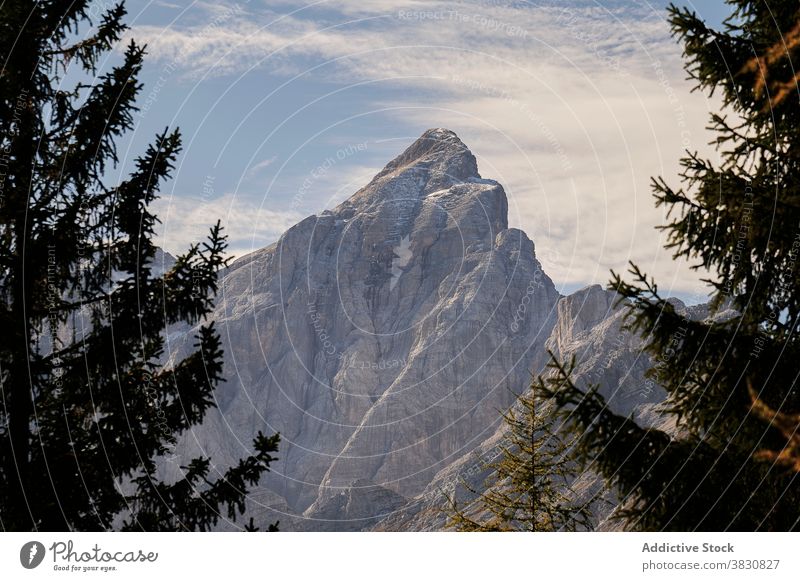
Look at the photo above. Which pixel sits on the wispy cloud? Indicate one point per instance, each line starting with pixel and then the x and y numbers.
pixel 254 170
pixel 187 219
pixel 572 106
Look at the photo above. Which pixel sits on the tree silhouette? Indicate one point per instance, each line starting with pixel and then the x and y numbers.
pixel 528 487
pixel 87 409
pixel 731 378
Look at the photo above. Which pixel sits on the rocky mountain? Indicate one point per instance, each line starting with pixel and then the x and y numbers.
pixel 383 337
pixel 589 326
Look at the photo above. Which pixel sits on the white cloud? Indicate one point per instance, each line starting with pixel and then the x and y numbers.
pixel 186 219
pixel 261 165
pixel 573 110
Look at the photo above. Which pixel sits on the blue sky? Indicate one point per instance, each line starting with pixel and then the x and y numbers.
pixel 288 108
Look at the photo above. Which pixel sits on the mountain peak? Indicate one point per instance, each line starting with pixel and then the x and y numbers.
pixel 441 150
pixel 395 332
pixel 437 160
pixel 436 142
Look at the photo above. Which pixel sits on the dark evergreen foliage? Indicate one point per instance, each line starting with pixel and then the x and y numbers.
pixel 530 479
pixel 731 380
pixel 86 414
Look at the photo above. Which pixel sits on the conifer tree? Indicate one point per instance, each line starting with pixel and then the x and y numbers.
pixel 528 486
pixel 731 378
pixel 87 409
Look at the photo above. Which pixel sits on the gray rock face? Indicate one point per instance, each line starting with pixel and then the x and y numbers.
pixel 380 338
pixel 588 326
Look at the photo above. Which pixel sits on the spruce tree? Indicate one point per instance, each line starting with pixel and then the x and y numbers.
pixel 87 409
pixel 731 378
pixel 528 486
